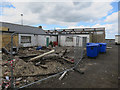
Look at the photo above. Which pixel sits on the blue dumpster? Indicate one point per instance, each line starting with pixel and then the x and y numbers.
pixel 95 43
pixel 103 47
pixel 98 47
pixel 92 50
pixel 89 43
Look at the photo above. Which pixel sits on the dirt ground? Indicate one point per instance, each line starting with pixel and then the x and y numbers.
pixel 101 72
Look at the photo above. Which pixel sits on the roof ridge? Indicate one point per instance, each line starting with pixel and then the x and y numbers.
pixel 19 24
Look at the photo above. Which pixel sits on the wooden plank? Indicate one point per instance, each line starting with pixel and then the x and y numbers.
pixel 4 29
pixel 6 39
pixel 62 76
pixel 37 57
pixel 109 47
pixel 68 60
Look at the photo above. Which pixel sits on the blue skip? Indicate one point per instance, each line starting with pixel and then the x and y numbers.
pixel 92 50
pixel 103 47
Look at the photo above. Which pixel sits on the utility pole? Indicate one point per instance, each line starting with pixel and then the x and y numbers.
pixel 21 19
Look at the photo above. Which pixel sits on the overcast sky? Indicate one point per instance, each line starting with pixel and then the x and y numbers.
pixel 63 14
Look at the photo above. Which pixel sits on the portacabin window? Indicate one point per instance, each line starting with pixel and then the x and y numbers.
pixel 69 39
pixel 25 39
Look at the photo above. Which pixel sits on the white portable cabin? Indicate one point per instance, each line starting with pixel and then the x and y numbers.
pixel 117 39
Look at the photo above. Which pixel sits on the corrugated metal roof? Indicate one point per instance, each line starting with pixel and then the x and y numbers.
pixel 23 28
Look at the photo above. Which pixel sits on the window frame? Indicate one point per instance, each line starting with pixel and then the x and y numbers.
pixel 69 39
pixel 25 37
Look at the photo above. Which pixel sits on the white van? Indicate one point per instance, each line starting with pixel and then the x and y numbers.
pixel 117 39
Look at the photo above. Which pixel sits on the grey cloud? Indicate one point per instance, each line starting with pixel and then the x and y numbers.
pixel 82 4
pixel 61 12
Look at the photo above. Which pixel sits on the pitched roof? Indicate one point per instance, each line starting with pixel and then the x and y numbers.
pixel 22 28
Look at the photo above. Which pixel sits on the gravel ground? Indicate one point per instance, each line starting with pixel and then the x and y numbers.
pixel 101 72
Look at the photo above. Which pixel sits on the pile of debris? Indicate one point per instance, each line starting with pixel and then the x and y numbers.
pixel 32 51
pixel 30 64
pixel 23 68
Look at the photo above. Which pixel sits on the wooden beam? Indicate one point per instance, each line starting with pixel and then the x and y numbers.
pixel 4 29
pixel 37 57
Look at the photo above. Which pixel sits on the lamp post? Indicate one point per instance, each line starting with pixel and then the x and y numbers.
pixel 21 19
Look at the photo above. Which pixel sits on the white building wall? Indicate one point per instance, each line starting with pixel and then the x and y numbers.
pixel 36 40
pixel 53 38
pixel 41 40
pixel 62 40
pixel 33 40
pixel 81 39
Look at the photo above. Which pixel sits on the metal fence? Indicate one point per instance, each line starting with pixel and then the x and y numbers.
pixel 78 56
pixel 0 59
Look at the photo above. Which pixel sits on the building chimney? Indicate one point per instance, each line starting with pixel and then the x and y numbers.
pixel 40 27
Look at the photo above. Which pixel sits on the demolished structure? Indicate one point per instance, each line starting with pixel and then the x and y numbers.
pixel 32 63
pixel 67 37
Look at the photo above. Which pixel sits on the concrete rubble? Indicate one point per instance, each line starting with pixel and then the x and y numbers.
pixel 26 72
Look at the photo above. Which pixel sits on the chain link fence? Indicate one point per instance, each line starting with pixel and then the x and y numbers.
pixel 75 53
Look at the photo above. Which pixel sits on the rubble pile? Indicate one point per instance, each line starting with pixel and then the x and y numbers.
pixel 30 51
pixel 5 57
pixel 26 71
pixel 22 68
